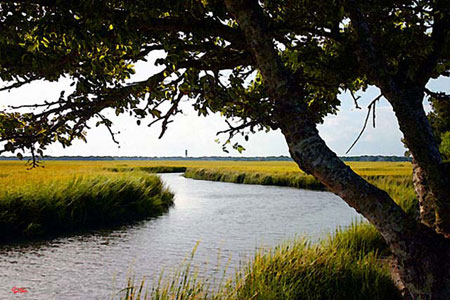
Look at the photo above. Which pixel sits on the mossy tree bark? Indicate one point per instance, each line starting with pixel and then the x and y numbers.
pixel 429 167
pixel 426 203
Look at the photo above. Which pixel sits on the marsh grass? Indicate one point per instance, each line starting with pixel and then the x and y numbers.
pixel 155 169
pixel 302 271
pixel 297 180
pixel 183 283
pixel 345 265
pixel 359 237
pixel 84 202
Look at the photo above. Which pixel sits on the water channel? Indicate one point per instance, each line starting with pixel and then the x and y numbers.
pixel 230 221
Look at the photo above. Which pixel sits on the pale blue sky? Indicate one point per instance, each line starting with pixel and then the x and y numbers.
pixel 197 134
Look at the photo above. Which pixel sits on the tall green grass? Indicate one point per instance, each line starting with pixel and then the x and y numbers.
pixel 60 206
pixel 297 180
pixel 303 271
pixel 359 237
pixel 346 265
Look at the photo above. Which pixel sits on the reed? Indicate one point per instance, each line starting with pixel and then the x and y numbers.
pixel 298 270
pixel 297 180
pixel 81 202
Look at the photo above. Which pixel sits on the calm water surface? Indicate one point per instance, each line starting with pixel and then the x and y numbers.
pixel 229 220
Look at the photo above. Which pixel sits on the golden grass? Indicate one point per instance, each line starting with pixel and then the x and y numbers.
pixel 69 196
pixel 14 173
pixel 395 177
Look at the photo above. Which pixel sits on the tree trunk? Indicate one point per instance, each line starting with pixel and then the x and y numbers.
pixel 421 253
pixel 424 195
pixel 432 182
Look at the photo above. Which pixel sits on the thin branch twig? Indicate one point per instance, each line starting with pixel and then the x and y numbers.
pixel 370 107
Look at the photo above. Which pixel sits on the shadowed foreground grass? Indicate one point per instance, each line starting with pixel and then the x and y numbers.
pixel 84 202
pixel 346 265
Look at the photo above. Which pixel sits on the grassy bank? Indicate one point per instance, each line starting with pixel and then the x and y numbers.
pixel 60 205
pixel 297 180
pixel 18 168
pixel 347 265
pixel 301 271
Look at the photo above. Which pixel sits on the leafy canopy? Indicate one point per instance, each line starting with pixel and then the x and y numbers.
pixel 207 60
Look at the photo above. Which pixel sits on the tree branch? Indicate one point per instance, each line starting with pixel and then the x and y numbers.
pixel 17 84
pixel 370 107
pixel 206 26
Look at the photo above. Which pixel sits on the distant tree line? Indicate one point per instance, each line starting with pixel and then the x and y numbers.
pixel 212 158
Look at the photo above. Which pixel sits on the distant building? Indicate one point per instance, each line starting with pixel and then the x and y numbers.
pixel 185 153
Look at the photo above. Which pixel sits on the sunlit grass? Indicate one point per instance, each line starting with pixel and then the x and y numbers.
pixel 297 180
pixel 58 204
pixel 15 174
pixel 364 168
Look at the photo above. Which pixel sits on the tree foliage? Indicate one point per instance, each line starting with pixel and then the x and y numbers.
pixel 440 120
pixel 445 144
pixel 96 43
